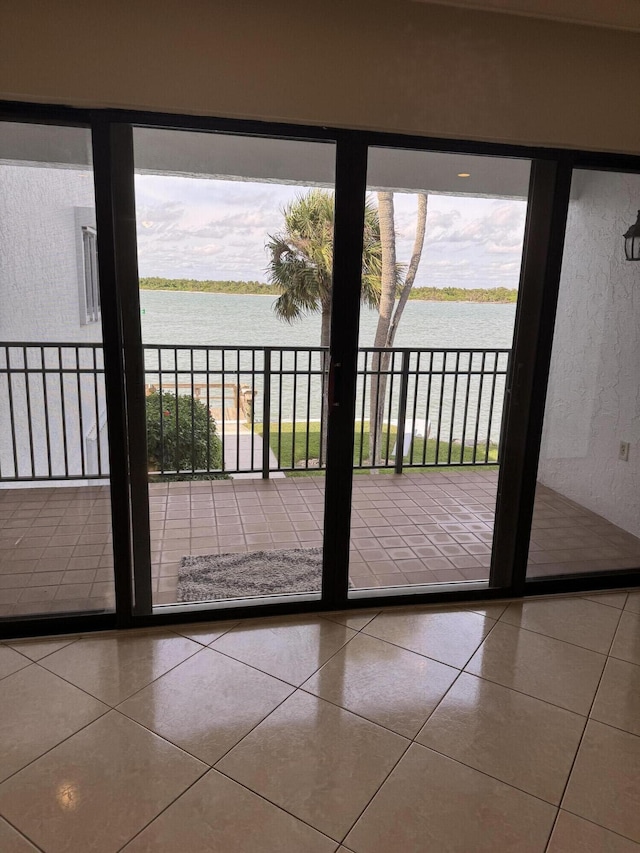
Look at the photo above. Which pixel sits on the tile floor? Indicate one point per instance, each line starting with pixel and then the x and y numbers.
pixel 55 544
pixel 503 727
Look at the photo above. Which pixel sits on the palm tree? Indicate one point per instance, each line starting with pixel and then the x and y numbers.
pixel 301 263
pixel 302 258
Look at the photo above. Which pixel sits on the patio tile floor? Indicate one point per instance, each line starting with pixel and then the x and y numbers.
pixel 415 528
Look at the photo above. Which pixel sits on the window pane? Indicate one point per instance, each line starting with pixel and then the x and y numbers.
pixel 587 507
pixel 55 532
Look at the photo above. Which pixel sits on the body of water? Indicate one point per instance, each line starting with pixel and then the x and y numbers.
pixel 227 320
pixel 454 404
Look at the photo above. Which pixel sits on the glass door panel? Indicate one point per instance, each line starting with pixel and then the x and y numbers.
pixel 587 506
pixel 55 510
pixel 443 248
pixel 235 240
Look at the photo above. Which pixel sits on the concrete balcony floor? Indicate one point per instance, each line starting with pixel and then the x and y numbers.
pixel 416 528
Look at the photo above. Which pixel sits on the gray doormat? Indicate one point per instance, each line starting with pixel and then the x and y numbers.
pixel 246 575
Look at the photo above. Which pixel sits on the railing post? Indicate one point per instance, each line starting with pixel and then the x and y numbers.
pixel 266 415
pixel 402 410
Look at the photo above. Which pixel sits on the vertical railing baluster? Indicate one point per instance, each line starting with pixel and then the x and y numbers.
pixel 466 404
pixel 453 409
pixel 280 372
pixel 64 415
pixel 193 414
pixel 160 371
pixel 374 426
pixel 479 408
pixel 364 402
pixel 27 382
pixel 12 420
pixel 238 409
pixel 207 369
pixel 223 412
pixel 402 411
pixel 96 402
pixel 491 404
pixel 253 409
pixel 266 415
pixel 47 428
pixel 83 463
pixel 414 412
pixel 426 414
pixel 391 372
pixel 294 411
pixel 442 382
pixel 176 383
pixel 309 374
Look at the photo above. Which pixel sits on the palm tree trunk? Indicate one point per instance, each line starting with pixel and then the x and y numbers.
pixel 380 361
pixel 390 313
pixel 410 277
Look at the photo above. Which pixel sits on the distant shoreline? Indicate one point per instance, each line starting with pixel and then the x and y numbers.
pixel 494 296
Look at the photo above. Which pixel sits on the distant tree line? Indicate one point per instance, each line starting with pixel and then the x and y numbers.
pixel 249 287
pixel 257 288
pixel 463 294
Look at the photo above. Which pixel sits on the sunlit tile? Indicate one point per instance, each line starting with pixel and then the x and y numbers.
pixel 206 704
pixel 557 672
pixel 355 619
pixel 115 666
pixel 386 684
pixel 574 620
pixel 204 632
pixel 291 648
pixel 449 636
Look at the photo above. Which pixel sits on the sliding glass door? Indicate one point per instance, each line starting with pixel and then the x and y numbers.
pixel 297 368
pixel 443 242
pixel 235 247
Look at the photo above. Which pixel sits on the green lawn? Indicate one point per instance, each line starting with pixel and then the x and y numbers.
pixel 283 452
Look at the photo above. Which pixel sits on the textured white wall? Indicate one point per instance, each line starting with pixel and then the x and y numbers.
pixel 39 287
pixel 593 401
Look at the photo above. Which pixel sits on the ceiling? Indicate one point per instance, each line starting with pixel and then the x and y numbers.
pixel 284 161
pixel 615 14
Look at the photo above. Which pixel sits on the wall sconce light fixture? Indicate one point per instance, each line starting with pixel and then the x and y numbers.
pixel 632 241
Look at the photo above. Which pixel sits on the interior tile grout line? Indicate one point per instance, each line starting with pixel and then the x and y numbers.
pixel 577 752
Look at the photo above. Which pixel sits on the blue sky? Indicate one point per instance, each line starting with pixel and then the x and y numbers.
pixel 213 229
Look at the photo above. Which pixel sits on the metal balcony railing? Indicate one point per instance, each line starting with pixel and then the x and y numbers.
pixel 215 411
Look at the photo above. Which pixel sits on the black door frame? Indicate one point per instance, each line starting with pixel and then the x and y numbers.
pixel 113 171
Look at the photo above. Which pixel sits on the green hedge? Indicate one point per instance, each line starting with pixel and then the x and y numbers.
pixel 186 443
